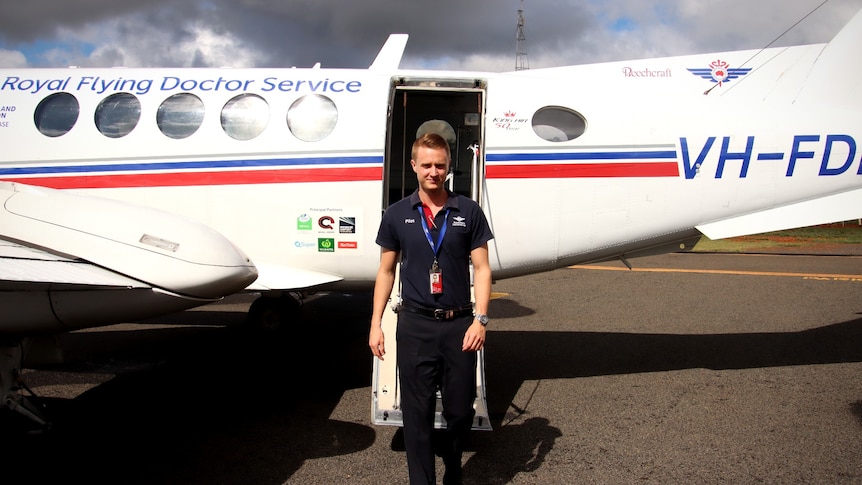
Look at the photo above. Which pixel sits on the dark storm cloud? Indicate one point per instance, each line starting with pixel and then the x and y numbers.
pixel 30 20
pixel 348 34
pixel 302 32
pixel 472 34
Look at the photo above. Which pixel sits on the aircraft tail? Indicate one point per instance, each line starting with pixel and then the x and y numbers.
pixel 836 77
pixel 390 54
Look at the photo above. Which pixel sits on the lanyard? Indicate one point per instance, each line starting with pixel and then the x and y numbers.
pixel 434 246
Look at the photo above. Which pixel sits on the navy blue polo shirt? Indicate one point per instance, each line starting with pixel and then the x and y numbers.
pixel 467 229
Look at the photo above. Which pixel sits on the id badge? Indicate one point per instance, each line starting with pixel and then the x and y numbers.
pixel 435 276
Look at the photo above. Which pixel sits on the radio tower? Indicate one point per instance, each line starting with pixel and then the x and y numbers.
pixel 521 61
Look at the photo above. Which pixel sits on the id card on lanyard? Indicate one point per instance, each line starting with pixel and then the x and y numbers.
pixel 435 274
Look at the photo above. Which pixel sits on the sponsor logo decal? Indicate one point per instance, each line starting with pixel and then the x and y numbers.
pixel 303 223
pixel 326 222
pixel 326 245
pixel 347 225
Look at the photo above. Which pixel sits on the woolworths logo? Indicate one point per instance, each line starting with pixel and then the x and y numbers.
pixel 326 245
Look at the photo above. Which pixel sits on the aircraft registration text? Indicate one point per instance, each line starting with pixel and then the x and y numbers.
pixel 837 154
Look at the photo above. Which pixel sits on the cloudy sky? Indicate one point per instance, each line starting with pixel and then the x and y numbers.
pixel 444 34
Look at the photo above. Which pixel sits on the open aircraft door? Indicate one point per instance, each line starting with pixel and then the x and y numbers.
pixel 455 109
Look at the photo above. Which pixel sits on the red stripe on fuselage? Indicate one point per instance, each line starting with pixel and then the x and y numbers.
pixel 349 174
pixel 180 179
pixel 583 170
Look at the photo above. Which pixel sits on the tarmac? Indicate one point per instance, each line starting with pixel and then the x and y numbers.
pixel 688 368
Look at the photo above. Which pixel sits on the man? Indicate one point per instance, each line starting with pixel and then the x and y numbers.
pixel 437 234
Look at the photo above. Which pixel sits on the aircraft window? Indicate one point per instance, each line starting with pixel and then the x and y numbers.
pixel 245 116
pixel 56 114
pixel 557 124
pixel 441 127
pixel 312 117
pixel 180 115
pixel 118 114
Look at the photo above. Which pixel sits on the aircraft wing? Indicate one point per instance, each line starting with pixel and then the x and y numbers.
pixel 833 208
pixel 70 261
pixel 24 268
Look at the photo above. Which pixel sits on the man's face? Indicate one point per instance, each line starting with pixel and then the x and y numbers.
pixel 431 166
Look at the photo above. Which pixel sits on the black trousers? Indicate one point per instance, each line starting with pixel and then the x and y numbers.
pixel 429 355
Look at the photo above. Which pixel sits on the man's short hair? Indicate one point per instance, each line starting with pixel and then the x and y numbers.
pixel 430 140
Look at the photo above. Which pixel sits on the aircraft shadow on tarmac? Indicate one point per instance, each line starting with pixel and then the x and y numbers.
pixel 218 402
pixel 199 404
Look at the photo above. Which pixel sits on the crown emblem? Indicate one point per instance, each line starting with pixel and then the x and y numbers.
pixel 719 70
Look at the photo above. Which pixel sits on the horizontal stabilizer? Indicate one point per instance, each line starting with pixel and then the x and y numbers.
pixel 389 57
pixel 834 208
pixel 275 277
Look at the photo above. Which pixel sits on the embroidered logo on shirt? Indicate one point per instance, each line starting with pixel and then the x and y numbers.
pixel 409 221
pixel 459 221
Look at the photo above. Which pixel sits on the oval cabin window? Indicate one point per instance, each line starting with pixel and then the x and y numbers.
pixel 180 115
pixel 312 117
pixel 117 115
pixel 56 114
pixel 558 124
pixel 245 116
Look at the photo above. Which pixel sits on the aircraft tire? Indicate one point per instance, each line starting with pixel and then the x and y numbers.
pixel 271 314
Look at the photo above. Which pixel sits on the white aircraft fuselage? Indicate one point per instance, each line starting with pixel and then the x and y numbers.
pixel 573 164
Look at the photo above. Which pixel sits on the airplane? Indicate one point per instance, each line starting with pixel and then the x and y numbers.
pixel 287 171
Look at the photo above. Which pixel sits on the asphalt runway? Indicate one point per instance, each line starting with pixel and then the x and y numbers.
pixel 691 368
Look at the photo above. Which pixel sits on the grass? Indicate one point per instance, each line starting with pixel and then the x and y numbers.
pixel 831 235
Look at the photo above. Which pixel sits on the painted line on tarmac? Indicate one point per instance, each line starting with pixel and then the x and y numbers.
pixel 806 276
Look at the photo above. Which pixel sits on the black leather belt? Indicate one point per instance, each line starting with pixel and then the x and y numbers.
pixel 439 313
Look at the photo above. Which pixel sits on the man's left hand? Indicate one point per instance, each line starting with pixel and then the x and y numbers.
pixel 474 339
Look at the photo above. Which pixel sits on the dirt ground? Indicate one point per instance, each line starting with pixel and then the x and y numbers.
pixel 780 243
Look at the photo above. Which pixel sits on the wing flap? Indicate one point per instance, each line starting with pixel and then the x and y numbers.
pixel 276 277
pixel 834 208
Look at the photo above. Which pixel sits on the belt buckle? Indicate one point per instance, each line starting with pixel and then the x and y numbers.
pixel 441 314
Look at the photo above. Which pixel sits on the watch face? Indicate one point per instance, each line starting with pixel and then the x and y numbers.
pixel 483 319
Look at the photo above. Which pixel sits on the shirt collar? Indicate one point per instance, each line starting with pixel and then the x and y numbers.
pixel 451 202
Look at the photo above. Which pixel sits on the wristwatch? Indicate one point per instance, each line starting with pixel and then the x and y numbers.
pixel 483 319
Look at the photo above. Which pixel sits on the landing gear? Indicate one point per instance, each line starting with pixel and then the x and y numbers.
pixel 12 387
pixel 273 312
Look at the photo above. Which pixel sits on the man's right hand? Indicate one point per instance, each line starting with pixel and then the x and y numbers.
pixel 375 341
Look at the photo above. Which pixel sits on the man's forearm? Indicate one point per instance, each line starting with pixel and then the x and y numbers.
pixel 482 289
pixel 382 291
